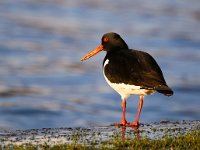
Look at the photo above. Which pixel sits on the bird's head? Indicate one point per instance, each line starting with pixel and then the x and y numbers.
pixel 110 42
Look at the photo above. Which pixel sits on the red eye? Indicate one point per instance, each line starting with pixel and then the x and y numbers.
pixel 105 39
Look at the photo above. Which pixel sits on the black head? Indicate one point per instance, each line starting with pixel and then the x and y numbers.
pixel 113 41
pixel 110 42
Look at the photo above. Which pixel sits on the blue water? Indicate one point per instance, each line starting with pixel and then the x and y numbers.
pixel 44 84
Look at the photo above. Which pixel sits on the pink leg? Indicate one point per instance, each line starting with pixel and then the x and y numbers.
pixel 136 122
pixel 123 121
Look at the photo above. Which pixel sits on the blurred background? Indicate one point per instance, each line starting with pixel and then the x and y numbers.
pixel 44 84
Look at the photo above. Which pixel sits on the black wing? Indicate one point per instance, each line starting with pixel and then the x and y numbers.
pixel 136 68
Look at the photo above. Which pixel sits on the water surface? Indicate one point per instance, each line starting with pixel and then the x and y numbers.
pixel 44 84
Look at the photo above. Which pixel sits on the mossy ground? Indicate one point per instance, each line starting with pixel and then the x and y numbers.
pixel 181 141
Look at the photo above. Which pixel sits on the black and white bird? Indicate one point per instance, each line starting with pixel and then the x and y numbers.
pixel 129 71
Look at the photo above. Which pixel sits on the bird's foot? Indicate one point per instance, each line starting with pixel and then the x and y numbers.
pixel 122 123
pixel 134 124
pixel 126 124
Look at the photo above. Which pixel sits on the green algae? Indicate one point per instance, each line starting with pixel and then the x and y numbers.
pixel 163 135
pixel 181 141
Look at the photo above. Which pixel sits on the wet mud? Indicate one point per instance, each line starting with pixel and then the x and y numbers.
pixel 96 135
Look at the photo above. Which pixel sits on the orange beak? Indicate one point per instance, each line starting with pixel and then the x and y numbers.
pixel 92 53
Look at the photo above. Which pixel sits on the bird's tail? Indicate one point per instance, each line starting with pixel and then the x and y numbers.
pixel 164 89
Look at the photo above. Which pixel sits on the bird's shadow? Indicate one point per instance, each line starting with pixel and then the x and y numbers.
pixel 124 133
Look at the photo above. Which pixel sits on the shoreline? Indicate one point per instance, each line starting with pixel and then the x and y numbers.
pixel 96 135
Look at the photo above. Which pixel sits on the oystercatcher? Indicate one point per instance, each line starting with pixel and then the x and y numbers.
pixel 129 71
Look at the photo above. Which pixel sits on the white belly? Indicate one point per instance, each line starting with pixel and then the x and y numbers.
pixel 126 90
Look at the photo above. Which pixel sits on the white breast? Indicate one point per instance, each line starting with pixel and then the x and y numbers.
pixel 126 90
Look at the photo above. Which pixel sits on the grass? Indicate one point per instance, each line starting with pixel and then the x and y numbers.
pixel 189 141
